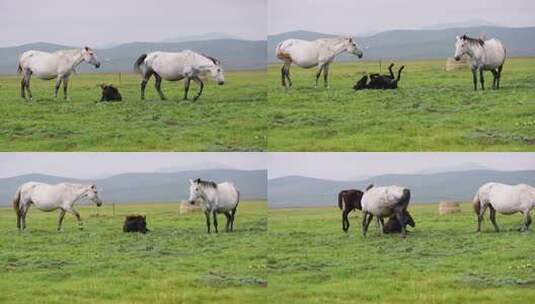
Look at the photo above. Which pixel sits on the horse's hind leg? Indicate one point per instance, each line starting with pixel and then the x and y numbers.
pixel 318 74
pixel 229 218
pixel 493 218
pixel 158 86
pixel 345 220
pixel 60 219
pixel 233 218
pixel 283 75
pixel 527 221
pixel 288 65
pixel 494 78
pixel 23 213
pixel 23 87
pixel 143 83
pixel 480 216
pixel 366 222
pixel 201 87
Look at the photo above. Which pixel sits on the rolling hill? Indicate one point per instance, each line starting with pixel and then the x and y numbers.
pixel 298 191
pixel 149 187
pixel 234 53
pixel 420 43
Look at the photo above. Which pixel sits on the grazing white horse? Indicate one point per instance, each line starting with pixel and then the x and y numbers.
pixel 58 65
pixel 506 199
pixel 186 65
pixel 215 198
pixel 488 55
pixel 383 202
pixel 52 197
pixel 317 53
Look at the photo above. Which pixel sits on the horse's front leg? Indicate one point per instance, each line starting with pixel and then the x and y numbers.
pixel 318 74
pixel 78 219
pixel 526 222
pixel 65 88
pixel 482 79
pixel 158 86
pixel 326 75
pixel 59 79
pixel 207 214
pixel 60 219
pixel 214 214
pixel 474 78
pixel 187 81
pixel 201 85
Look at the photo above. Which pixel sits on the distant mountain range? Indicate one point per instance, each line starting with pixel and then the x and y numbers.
pixel 235 54
pixel 298 191
pixel 149 187
pixel 437 42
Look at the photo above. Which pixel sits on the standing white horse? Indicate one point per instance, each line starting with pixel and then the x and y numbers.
pixel 215 198
pixel 506 199
pixel 317 53
pixel 52 197
pixel 186 65
pixel 488 55
pixel 46 66
pixel 383 202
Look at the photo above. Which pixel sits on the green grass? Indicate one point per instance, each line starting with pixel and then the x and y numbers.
pixel 441 261
pixel 433 110
pixel 178 262
pixel 228 118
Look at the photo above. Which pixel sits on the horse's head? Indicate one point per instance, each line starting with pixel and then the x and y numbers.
pixel 352 47
pixel 461 47
pixel 195 191
pixel 92 194
pixel 217 73
pixel 90 57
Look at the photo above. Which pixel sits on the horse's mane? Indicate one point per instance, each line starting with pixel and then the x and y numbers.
pixel 214 60
pixel 473 40
pixel 206 183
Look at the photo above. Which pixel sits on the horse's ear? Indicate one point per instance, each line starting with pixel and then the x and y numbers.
pixel 86 48
pixel 369 187
pixel 350 39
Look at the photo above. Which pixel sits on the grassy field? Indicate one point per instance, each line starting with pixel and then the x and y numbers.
pixel 441 261
pixel 178 262
pixel 228 118
pixel 433 110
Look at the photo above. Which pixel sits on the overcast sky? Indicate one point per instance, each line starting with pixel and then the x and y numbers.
pixel 97 22
pixel 356 17
pixel 94 165
pixel 348 166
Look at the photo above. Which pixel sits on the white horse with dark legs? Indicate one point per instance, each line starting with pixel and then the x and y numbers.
pixel 505 199
pixel 215 198
pixel 318 53
pixel 488 55
pixel 186 65
pixel 383 202
pixel 47 197
pixel 59 65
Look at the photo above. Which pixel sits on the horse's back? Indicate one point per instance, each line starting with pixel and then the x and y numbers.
pixel 228 195
pixel 495 53
pixel 506 198
pixel 378 200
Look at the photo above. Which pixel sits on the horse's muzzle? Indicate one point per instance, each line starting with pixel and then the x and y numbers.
pixel 359 55
pixel 457 58
pixel 97 65
pixel 221 83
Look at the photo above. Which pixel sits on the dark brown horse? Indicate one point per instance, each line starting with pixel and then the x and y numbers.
pixel 393 225
pixel 348 200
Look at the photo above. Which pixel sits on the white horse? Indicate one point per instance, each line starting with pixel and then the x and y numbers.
pixel 46 66
pixel 318 53
pixel 186 65
pixel 215 198
pixel 506 199
pixel 488 55
pixel 383 202
pixel 52 197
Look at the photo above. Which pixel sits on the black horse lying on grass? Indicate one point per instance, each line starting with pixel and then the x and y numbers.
pixel 379 82
pixel 110 93
pixel 135 223
pixel 393 225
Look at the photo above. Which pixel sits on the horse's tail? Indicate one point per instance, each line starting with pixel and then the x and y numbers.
pixel 399 73
pixel 138 63
pixel 341 200
pixel 16 203
pixel 405 197
pixel 281 54
pixel 476 203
